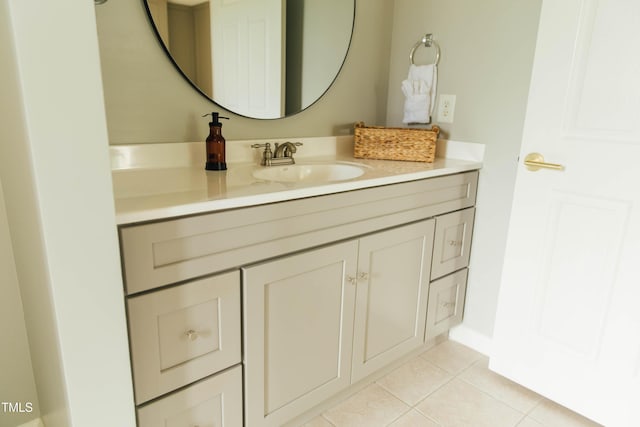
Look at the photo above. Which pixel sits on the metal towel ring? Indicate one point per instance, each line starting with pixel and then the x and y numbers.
pixel 427 41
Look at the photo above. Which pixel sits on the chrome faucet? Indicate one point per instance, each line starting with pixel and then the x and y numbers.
pixel 282 155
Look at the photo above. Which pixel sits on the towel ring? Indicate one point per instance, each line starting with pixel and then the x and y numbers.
pixel 427 41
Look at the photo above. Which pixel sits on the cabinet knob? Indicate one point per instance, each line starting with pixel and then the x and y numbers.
pixel 455 242
pixel 191 334
pixel 447 304
pixel 363 276
pixel 352 280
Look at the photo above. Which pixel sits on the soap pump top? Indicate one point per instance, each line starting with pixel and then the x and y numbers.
pixel 215 144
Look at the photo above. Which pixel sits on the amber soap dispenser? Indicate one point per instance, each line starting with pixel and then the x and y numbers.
pixel 215 144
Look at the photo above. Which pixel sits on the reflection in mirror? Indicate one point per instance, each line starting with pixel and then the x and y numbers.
pixel 257 58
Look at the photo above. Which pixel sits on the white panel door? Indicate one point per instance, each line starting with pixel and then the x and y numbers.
pixel 568 324
pixel 247 44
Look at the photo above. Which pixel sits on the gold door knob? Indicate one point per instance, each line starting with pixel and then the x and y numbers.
pixel 535 161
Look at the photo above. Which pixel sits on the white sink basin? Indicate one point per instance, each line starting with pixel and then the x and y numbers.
pixel 325 172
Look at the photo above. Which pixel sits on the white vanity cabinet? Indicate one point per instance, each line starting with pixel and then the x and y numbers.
pixel 334 288
pixel 299 318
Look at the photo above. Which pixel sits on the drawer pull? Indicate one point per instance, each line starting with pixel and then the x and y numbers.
pixel 446 304
pixel 191 334
pixel 455 242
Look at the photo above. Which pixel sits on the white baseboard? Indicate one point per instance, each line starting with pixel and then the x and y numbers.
pixel 472 339
pixel 33 423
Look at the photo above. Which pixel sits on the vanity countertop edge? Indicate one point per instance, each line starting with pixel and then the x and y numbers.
pixel 156 193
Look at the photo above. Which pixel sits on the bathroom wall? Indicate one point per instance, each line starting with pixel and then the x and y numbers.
pixel 148 101
pixel 55 174
pixel 487 54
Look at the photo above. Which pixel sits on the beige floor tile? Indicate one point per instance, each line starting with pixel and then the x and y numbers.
pixel 529 422
pixel 501 388
pixel 550 414
pixel 459 404
pixel 318 421
pixel 414 380
pixel 451 356
pixel 413 419
pixel 371 407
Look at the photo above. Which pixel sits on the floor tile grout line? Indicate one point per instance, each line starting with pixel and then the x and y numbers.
pixel 524 416
pixel 400 416
pixel 500 399
pixel 433 392
pixel 412 405
pixel 430 418
pixel 491 396
pixel 327 420
pixel 446 370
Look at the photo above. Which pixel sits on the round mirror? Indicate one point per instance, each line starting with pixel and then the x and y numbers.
pixel 263 59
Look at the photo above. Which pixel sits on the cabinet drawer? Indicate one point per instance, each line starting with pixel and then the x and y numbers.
pixel 185 333
pixel 446 303
pixel 216 401
pixel 452 243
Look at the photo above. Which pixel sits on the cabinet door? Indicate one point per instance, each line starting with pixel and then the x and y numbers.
pixel 452 245
pixel 298 322
pixel 446 303
pixel 181 334
pixel 391 302
pixel 216 401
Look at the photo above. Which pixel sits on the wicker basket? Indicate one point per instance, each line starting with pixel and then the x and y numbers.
pixel 375 142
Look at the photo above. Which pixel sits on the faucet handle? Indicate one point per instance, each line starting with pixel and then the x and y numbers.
pixel 267 155
pixel 266 146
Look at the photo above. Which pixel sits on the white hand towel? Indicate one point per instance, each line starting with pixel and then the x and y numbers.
pixel 419 90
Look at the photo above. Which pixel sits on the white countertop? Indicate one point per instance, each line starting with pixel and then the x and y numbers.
pixel 154 193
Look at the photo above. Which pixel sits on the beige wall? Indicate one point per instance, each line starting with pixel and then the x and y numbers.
pixel 487 53
pixel 148 101
pixel 54 168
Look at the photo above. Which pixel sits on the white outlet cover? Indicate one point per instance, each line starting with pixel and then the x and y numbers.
pixel 446 108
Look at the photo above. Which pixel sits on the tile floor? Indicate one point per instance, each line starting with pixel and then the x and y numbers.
pixel 449 385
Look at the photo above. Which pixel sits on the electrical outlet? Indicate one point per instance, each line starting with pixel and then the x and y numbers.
pixel 446 108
